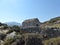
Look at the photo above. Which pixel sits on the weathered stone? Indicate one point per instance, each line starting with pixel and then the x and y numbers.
pixel 31 22
pixel 34 41
pixel 29 39
pixel 31 25
pixel 31 30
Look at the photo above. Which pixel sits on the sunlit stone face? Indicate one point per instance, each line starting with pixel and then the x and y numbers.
pixel 31 22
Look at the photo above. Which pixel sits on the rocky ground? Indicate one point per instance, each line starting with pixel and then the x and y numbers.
pixel 32 32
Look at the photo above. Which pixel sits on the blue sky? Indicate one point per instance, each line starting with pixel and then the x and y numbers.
pixel 20 10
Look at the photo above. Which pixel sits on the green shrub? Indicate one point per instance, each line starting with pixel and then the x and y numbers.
pixel 8 41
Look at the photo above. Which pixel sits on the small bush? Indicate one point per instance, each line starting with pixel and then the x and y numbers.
pixel 8 41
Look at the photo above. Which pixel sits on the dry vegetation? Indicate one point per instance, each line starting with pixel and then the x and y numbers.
pixel 52 41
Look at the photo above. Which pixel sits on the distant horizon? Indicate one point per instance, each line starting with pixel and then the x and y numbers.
pixel 27 19
pixel 20 10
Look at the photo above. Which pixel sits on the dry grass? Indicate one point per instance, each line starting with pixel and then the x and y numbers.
pixel 56 25
pixel 51 41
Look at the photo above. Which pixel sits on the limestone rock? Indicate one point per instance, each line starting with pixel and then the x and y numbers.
pixel 31 22
pixel 31 25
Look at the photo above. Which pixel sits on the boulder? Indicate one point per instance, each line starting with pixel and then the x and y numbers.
pixel 31 22
pixel 31 25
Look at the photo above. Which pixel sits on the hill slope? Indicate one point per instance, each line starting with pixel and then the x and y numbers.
pixel 54 22
pixel 12 23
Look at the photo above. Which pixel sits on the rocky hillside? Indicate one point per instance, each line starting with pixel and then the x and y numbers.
pixel 54 22
pixel 31 33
